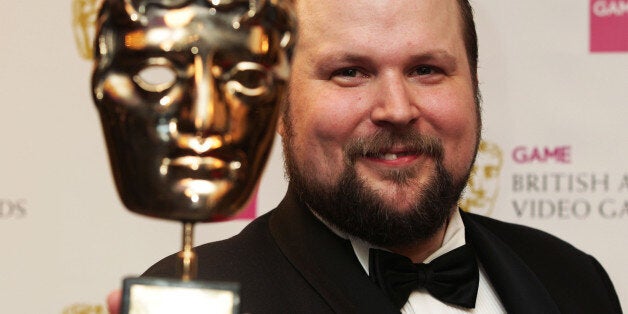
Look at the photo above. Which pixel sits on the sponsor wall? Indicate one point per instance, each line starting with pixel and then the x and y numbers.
pixel 553 76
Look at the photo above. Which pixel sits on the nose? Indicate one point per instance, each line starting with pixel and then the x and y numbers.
pixel 207 114
pixel 395 106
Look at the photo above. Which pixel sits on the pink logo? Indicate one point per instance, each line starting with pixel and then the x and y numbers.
pixel 247 213
pixel 609 25
pixel 250 212
pixel 558 154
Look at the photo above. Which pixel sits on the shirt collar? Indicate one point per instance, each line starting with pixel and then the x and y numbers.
pixel 454 238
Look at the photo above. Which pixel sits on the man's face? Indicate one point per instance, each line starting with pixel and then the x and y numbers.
pixel 188 99
pixel 381 99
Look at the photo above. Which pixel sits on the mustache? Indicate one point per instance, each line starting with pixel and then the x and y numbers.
pixel 410 141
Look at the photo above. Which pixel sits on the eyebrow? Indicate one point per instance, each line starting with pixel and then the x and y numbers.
pixel 429 56
pixel 439 56
pixel 336 58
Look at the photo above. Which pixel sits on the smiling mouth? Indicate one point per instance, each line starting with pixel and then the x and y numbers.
pixel 390 156
pixel 398 160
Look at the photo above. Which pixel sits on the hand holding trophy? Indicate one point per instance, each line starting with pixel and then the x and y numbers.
pixel 189 92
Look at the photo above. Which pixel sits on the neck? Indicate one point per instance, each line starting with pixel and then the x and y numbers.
pixel 422 249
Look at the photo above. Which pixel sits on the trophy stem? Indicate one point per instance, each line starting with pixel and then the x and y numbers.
pixel 187 254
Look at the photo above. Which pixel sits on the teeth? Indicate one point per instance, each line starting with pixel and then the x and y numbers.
pixel 390 156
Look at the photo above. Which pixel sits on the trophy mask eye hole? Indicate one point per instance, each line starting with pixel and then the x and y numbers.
pixel 249 79
pixel 155 78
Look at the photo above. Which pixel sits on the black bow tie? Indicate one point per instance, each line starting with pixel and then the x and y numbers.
pixel 452 278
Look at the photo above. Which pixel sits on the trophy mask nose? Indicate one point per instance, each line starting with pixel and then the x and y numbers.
pixel 203 124
pixel 208 112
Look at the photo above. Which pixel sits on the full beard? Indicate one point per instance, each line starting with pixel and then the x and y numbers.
pixel 352 206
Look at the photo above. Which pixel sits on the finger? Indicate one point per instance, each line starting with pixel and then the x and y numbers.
pixel 113 301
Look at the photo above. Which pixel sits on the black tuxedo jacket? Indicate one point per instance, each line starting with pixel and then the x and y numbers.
pixel 289 262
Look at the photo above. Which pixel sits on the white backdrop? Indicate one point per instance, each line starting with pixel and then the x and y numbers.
pixel 556 111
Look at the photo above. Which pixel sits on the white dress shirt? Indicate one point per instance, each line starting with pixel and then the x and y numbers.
pixel 420 301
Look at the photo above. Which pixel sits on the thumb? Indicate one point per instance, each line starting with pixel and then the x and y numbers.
pixel 114 300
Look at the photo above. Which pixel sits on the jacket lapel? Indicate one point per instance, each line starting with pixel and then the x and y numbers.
pixel 517 286
pixel 328 263
pixel 325 260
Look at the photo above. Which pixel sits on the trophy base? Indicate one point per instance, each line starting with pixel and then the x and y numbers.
pixel 167 296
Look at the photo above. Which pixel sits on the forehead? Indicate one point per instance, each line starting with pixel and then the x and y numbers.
pixel 369 25
pixel 377 12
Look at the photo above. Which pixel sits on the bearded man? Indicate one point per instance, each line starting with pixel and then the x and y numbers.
pixel 380 131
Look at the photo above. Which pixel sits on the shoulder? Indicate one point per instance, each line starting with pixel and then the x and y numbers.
pixel 568 273
pixel 539 249
pixel 269 283
pixel 525 239
pixel 226 256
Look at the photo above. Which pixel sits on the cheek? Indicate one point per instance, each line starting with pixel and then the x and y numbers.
pixel 333 127
pixel 323 133
pixel 328 114
pixel 453 116
pixel 452 110
pixel 323 120
pixel 339 113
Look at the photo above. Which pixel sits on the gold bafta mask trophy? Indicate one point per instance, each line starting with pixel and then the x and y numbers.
pixel 188 93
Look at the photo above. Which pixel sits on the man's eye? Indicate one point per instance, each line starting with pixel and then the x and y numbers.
pixel 427 74
pixel 348 72
pixel 349 77
pixel 424 70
